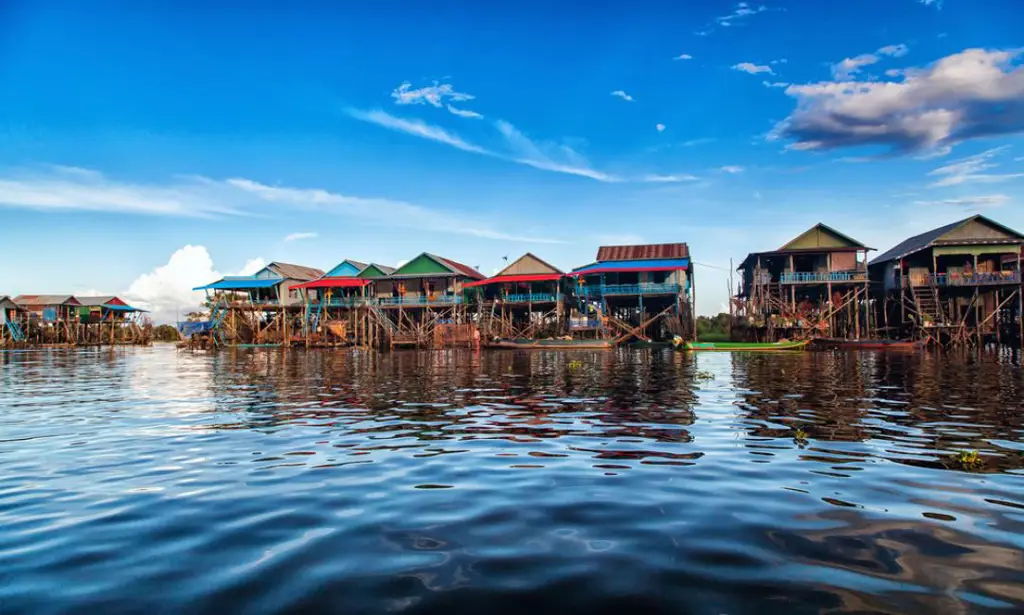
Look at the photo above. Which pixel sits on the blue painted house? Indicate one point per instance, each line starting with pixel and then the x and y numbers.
pixel 636 292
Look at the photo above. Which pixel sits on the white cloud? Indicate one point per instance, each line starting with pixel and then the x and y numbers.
pixel 731 169
pixel 622 95
pixel 73 189
pixel 659 127
pixel 416 128
pixel 775 84
pixel 742 10
pixel 523 151
pixel 298 236
pixel 779 61
pixel 92 192
pixel 465 113
pixel 970 202
pixel 850 66
pixel 668 179
pixel 683 56
pixel 972 94
pixel 437 95
pixel 936 3
pixel 167 290
pixel 969 170
pixel 753 69
pixel 549 157
pixel 396 213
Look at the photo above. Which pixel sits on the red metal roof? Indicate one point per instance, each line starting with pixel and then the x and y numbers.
pixel 509 279
pixel 338 282
pixel 463 269
pixel 644 252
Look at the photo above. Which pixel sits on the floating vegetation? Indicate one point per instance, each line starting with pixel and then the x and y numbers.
pixel 966 460
pixel 800 436
pixel 704 375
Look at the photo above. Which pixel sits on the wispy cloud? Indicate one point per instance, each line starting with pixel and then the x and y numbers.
pixel 659 127
pixel 851 66
pixel 970 170
pixel 936 3
pixel 683 56
pixel 82 190
pixel 415 128
pixel 622 95
pixel 775 84
pixel 970 203
pixel 669 179
pixel 699 141
pixel 73 189
pixel 549 157
pixel 375 210
pixel 753 69
pixel 465 113
pixel 298 236
pixel 439 95
pixel 743 10
pixel 731 168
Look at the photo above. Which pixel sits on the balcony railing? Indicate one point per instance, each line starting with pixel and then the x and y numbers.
pixel 530 298
pixel 341 302
pixel 822 277
pixel 607 290
pixel 945 280
pixel 415 300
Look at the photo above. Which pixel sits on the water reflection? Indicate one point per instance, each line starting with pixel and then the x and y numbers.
pixel 458 481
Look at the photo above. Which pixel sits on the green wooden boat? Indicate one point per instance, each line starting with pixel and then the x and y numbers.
pixel 745 346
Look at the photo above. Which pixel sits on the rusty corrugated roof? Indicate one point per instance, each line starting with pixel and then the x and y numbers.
pixel 460 268
pixel 295 272
pixel 46 300
pixel 643 252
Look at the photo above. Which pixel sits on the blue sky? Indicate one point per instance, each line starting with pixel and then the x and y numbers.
pixel 255 132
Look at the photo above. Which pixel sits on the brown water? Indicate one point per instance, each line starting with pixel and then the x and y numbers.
pixel 262 481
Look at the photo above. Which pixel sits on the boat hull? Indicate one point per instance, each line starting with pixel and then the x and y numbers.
pixel 745 347
pixel 549 344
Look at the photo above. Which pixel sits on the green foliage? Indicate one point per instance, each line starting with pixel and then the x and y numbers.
pixel 713 328
pixel 165 333
pixel 800 436
pixel 575 365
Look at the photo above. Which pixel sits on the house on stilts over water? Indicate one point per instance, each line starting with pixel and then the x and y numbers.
pixel 958 284
pixel 111 320
pixel 50 319
pixel 635 293
pixel 339 306
pixel 13 323
pixel 816 285
pixel 423 303
pixel 262 308
pixel 523 301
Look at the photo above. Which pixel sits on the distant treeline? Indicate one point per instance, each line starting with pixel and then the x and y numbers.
pixel 165 333
pixel 713 328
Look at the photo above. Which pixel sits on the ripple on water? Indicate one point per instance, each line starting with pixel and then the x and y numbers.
pixel 267 481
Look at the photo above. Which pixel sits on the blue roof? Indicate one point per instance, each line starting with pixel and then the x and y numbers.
pixel 241 284
pixel 659 264
pixel 121 308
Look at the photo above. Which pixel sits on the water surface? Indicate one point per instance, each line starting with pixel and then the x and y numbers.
pixel 262 481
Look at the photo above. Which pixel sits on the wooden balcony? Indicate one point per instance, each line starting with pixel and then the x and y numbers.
pixel 613 290
pixel 954 280
pixel 823 277
pixel 420 300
